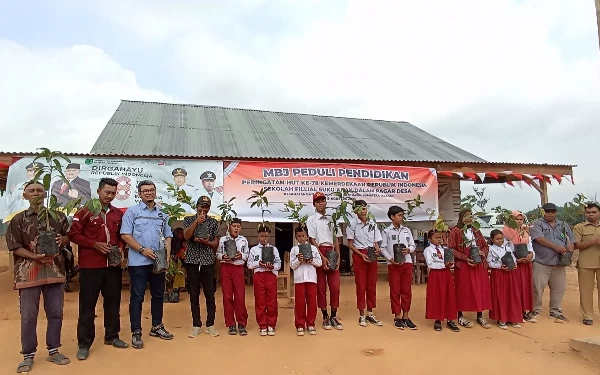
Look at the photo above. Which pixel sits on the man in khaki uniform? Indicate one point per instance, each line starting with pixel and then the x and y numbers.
pixel 587 240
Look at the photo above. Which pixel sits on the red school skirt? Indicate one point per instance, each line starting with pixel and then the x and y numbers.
pixel 506 296
pixel 472 288
pixel 525 273
pixel 440 303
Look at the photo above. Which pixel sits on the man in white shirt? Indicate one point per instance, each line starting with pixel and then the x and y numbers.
pixel 321 236
pixel 363 239
pixel 399 268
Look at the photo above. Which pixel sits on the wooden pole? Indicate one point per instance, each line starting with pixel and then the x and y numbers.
pixel 543 191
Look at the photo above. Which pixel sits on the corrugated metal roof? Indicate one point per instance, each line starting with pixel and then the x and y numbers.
pixel 180 130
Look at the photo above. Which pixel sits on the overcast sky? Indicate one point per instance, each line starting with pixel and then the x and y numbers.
pixel 508 80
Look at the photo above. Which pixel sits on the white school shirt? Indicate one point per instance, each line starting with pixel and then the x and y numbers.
pixel 392 235
pixel 362 236
pixel 305 272
pixel 433 260
pixel 495 255
pixel 529 247
pixel 470 237
pixel 255 256
pixel 242 247
pixel 318 229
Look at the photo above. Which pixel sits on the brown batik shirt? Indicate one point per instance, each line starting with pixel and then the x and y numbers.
pixel 23 232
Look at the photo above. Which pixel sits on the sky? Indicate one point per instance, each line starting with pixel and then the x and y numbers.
pixel 508 80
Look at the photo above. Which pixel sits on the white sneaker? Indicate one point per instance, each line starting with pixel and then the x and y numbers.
pixel 271 331
pixel 300 331
pixel 263 332
pixel 312 331
pixel 212 331
pixel 194 332
pixel 362 321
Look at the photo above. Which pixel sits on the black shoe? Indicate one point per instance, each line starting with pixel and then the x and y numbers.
pixel 452 325
pixel 437 326
pixel 588 322
pixel 161 332
pixel 409 324
pixel 232 331
pixel 136 340
pixel 83 354
pixel 559 317
pixel 117 343
pixel 242 330
pixel 399 323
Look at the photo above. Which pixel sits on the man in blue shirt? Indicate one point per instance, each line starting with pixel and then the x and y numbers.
pixel 145 229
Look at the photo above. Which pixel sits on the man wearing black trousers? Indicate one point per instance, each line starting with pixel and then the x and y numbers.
pixel 200 264
pixel 95 235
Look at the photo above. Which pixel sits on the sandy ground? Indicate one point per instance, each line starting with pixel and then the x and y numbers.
pixel 540 348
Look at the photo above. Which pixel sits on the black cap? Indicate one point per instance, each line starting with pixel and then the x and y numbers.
pixel 203 201
pixel 208 175
pixel 549 207
pixel 73 166
pixel 179 172
pixel 34 165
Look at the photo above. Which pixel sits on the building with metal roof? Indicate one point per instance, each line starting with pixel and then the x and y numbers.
pixel 218 132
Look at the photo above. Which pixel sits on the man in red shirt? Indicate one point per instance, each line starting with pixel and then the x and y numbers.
pixel 96 236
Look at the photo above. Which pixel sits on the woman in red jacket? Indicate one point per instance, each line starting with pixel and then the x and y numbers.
pixel 472 282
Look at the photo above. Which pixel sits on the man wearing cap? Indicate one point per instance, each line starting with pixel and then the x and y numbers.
pixel 551 239
pixel 14 200
pixel 321 236
pixel 79 188
pixel 200 265
pixel 208 189
pixel 179 176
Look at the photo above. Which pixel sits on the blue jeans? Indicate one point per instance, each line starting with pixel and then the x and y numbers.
pixel 139 277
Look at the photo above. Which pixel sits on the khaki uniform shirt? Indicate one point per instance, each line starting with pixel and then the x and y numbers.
pixel 590 257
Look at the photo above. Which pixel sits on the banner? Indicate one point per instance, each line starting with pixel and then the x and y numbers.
pixel 379 185
pixel 196 177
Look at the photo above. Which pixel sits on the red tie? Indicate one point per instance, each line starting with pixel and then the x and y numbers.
pixel 439 254
pixel 63 188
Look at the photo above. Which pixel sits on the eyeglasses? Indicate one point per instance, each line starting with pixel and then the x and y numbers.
pixel 148 191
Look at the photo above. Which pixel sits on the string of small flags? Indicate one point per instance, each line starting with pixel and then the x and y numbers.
pixel 515 179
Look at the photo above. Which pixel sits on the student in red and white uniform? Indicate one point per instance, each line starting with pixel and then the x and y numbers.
pixel 305 284
pixel 233 280
pixel 441 296
pixel 363 233
pixel 322 237
pixel 471 280
pixel 265 283
pixel 505 283
pixel 399 274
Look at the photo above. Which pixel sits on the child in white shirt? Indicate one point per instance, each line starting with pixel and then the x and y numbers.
pixel 265 283
pixel 441 297
pixel 305 284
pixel 506 309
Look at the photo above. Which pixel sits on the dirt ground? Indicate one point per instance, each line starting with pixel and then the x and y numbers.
pixel 541 348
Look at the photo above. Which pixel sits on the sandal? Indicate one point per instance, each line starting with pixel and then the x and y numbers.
pixel 25 366
pixel 59 359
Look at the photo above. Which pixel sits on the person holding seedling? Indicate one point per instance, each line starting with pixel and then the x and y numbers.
pixel 505 283
pixel 440 302
pixel 264 260
pixel 396 246
pixel 202 233
pixel 520 240
pixel 470 276
pixel 36 273
pixel 363 239
pixel 328 275
pixel 232 253
pixel 305 259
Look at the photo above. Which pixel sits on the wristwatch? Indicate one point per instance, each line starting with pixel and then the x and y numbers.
pixel 141 250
